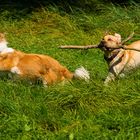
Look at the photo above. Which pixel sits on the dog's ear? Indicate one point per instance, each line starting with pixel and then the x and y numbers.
pixel 118 36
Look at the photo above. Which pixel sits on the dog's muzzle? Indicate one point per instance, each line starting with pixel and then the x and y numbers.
pixel 103 47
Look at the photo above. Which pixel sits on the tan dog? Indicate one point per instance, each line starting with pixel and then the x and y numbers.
pixel 35 66
pixel 119 60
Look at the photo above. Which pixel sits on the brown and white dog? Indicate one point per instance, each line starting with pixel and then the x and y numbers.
pixel 120 60
pixel 36 66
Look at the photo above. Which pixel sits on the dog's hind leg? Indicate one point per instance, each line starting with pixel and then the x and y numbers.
pixel 49 78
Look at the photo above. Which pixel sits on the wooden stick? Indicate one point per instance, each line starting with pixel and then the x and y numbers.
pixel 96 46
pixel 79 47
pixel 128 38
pixel 125 48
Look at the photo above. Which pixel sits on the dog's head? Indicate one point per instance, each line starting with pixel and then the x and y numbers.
pixel 110 41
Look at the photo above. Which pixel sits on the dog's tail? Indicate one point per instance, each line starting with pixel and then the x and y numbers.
pixel 81 73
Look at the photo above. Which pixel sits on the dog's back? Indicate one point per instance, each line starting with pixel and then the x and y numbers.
pixel 134 56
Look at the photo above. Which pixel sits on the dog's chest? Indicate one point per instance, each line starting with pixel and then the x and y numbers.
pixel 109 57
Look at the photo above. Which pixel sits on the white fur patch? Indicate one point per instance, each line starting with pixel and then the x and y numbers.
pixel 4 48
pixel 15 70
pixel 82 73
pixel 3 45
pixel 7 50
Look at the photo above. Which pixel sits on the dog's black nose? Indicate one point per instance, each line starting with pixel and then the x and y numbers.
pixel 103 41
pixel 101 44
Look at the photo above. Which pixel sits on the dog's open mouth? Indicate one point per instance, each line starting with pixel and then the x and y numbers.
pixel 103 47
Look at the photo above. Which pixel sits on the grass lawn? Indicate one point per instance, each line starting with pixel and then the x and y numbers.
pixel 77 110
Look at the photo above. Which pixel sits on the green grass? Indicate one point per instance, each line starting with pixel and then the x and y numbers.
pixel 78 110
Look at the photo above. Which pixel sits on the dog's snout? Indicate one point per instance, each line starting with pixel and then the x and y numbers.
pixel 101 44
pixel 103 40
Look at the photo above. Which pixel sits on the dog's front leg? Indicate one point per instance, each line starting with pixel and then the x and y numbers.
pixel 117 68
pixel 111 77
pixel 114 72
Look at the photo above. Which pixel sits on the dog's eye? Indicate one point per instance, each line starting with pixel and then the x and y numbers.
pixel 109 39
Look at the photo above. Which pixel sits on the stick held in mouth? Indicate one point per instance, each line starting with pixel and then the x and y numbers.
pixel 96 46
pixel 78 47
pixel 128 38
